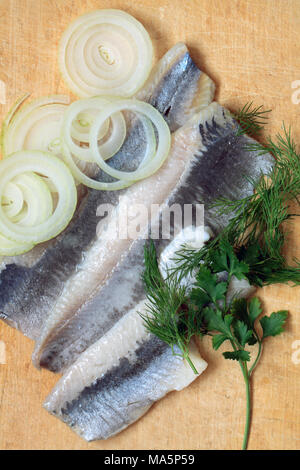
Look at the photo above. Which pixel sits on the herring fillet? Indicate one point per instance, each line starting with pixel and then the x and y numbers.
pixel 90 275
pixel 179 104
pixel 117 379
pixel 30 285
pixel 210 161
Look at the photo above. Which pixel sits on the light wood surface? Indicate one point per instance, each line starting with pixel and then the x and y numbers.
pixel 252 51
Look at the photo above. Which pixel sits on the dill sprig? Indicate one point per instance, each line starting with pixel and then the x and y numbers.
pixel 251 119
pixel 175 315
pixel 249 247
pixel 257 227
pixel 259 217
pixel 167 316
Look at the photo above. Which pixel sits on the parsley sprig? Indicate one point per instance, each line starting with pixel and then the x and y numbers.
pixel 250 247
pixel 175 315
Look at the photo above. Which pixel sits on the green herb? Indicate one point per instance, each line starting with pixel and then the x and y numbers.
pixel 167 316
pixel 250 247
pixel 259 217
pixel 251 119
pixel 256 230
pixel 174 315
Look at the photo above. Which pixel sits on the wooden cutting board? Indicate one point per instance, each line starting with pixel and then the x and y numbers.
pixel 251 49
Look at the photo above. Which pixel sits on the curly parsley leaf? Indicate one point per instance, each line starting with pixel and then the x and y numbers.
pixel 254 309
pixel 215 321
pixel 225 259
pixel 208 282
pixel 241 309
pixel 239 355
pixel 199 298
pixel 273 325
pixel 242 333
pixel 218 340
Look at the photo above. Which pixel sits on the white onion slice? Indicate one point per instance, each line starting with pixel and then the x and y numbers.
pixel 11 248
pixel 35 126
pixel 147 168
pixel 80 130
pixel 86 180
pixel 105 51
pixel 12 200
pixel 37 200
pixel 48 165
pixel 116 185
pixel 8 119
pixel 92 106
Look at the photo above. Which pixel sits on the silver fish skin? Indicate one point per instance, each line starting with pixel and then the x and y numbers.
pixel 31 285
pixel 179 103
pixel 117 379
pixel 207 160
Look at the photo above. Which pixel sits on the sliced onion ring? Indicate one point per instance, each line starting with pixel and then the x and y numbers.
pixel 52 167
pixel 35 126
pixel 116 185
pixel 8 119
pixel 164 139
pixel 11 248
pixel 81 127
pixel 86 180
pixel 37 200
pixel 110 146
pixel 12 200
pixel 105 51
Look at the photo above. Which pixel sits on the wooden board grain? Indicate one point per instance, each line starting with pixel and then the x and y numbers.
pixel 251 48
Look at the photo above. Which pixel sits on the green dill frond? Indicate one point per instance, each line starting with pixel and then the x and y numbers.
pixel 251 119
pixel 186 261
pixel 167 314
pixel 163 299
pixel 259 219
pixel 250 246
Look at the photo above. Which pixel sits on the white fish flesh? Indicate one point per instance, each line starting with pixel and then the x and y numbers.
pixel 207 160
pixel 31 285
pixel 117 379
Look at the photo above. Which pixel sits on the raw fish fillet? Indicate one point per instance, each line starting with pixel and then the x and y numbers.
pixel 207 160
pixel 30 285
pixel 180 102
pixel 116 380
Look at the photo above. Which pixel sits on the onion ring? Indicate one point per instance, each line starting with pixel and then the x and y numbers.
pixel 48 165
pixel 105 51
pixel 163 147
